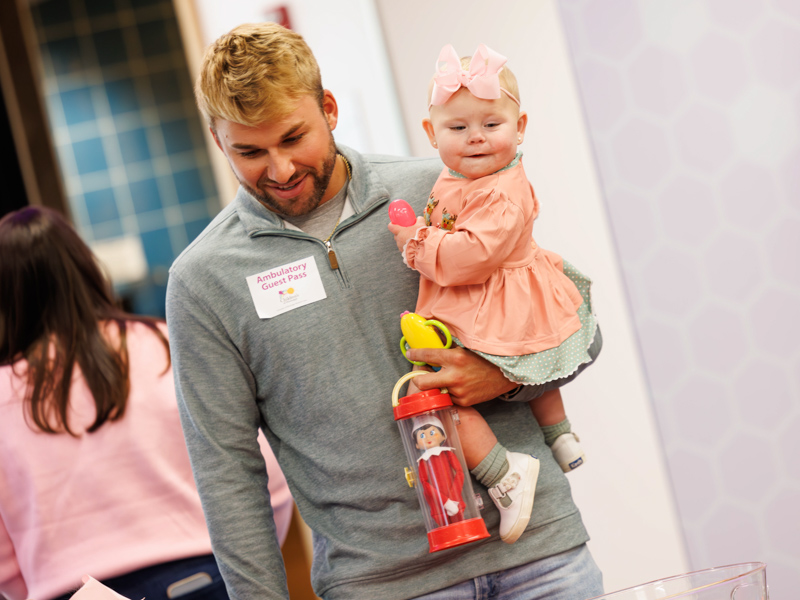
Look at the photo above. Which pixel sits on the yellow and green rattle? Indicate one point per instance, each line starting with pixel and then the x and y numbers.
pixel 421 333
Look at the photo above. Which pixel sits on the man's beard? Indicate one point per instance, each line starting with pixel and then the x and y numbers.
pixel 297 207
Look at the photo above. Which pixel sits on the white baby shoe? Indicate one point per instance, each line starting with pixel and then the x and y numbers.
pixel 568 452
pixel 513 496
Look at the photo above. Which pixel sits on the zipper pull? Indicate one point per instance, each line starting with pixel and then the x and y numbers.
pixel 331 256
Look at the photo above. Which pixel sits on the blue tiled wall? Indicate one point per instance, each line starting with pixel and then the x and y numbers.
pixel 126 130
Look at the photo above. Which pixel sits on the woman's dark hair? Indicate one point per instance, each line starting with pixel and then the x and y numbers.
pixel 54 302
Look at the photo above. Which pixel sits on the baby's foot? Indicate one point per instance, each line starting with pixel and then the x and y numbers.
pixel 568 452
pixel 513 496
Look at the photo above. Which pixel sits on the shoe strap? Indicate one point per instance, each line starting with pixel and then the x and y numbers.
pixel 497 492
pixel 502 488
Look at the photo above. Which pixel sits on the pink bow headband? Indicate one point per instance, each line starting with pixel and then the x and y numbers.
pixel 482 79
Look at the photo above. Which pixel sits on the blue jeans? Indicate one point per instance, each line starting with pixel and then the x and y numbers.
pixel 571 575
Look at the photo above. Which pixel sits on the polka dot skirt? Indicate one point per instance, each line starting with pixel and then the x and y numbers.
pixel 558 362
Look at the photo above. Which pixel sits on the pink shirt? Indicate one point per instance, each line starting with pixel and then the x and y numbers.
pixel 483 275
pixel 106 503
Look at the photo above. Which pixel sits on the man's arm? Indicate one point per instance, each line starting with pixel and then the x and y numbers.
pixel 220 418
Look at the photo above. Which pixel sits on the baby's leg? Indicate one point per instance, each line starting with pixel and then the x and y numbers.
pixel 477 438
pixel 510 477
pixel 548 408
pixel 552 418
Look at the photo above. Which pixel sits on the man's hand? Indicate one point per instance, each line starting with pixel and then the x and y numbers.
pixel 469 378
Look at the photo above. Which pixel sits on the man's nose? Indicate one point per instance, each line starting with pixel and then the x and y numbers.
pixel 280 168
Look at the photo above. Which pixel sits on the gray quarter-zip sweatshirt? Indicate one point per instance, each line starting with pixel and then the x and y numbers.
pixel 318 380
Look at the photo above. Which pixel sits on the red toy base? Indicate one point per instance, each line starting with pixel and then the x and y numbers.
pixel 457 534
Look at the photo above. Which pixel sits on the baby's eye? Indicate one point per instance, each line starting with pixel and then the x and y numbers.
pixel 492 124
pixel 457 127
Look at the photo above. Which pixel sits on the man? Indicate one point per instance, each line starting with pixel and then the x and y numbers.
pixel 284 314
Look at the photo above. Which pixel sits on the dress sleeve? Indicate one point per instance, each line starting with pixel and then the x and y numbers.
pixel 216 398
pixel 480 241
pixel 12 585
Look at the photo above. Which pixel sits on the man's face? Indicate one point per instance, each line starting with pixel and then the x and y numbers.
pixel 429 437
pixel 286 164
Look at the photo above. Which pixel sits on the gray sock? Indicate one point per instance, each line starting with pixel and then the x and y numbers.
pixel 491 469
pixel 551 432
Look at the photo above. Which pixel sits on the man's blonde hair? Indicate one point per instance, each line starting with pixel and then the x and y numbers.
pixel 256 73
pixel 508 80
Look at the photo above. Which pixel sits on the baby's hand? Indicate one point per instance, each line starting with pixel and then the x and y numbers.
pixel 403 234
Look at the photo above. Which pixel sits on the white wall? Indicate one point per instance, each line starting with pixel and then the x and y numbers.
pixel 623 490
pixel 693 113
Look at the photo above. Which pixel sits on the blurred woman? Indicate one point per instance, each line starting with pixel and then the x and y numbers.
pixel 94 474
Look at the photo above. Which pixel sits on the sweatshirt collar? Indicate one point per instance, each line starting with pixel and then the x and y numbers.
pixel 365 190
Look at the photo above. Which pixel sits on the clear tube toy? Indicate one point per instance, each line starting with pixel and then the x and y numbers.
pixel 438 470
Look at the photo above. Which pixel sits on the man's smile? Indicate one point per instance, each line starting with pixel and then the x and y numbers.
pixel 287 190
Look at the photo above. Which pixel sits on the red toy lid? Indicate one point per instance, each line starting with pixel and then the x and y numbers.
pixel 409 406
pixel 457 534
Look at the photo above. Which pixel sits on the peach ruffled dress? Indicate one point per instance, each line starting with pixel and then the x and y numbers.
pixel 484 276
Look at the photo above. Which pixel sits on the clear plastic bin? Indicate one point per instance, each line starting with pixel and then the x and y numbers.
pixel 745 581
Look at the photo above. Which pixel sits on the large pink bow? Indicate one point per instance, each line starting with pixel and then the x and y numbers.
pixel 481 79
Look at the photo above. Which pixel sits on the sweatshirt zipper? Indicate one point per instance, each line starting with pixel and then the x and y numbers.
pixel 332 260
pixel 352 220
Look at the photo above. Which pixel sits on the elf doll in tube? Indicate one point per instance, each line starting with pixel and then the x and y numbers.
pixel 440 472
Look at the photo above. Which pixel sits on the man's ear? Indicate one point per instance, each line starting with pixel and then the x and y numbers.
pixel 330 109
pixel 427 125
pixel 216 139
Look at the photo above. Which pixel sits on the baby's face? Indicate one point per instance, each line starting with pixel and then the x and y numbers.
pixel 476 137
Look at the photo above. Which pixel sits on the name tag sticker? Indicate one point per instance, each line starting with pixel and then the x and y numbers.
pixel 285 288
